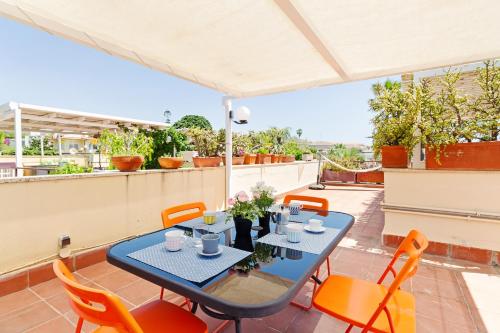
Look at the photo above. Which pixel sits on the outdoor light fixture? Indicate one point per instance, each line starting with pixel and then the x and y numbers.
pixel 167 114
pixel 242 114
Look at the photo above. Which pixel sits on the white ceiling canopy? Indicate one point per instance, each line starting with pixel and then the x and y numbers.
pixel 255 47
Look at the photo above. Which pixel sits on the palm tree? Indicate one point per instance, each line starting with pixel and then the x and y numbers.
pixel 299 132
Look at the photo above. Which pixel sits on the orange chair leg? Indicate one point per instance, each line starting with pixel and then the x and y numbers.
pixel 328 265
pixel 349 328
pixel 161 294
pixel 307 307
pixel 186 300
pixel 79 325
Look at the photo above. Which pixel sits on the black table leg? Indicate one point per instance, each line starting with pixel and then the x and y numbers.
pixel 194 307
pixel 237 325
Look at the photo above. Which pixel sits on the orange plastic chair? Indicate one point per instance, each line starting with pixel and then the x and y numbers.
pixel 106 310
pixel 361 303
pixel 323 203
pixel 169 221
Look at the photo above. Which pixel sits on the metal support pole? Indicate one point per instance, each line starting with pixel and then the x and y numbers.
pixel 226 102
pixel 41 145
pixel 59 146
pixel 18 133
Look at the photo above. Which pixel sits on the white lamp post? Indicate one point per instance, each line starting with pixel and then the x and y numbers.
pixel 240 116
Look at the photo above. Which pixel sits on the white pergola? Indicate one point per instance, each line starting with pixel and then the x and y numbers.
pixel 254 47
pixel 22 117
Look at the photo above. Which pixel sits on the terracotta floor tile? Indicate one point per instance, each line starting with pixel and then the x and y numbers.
pixel 437 288
pixel 115 280
pixel 281 320
pixel 57 325
pixel 73 319
pixel 317 322
pixel 139 292
pixel 97 270
pixel 428 325
pixel 16 301
pixel 443 309
pixel 26 318
pixel 49 288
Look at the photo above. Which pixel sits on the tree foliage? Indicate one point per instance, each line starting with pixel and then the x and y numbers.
pixel 348 157
pixel 193 121
pixel 126 142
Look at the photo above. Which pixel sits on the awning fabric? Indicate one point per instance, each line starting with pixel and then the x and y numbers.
pixel 255 47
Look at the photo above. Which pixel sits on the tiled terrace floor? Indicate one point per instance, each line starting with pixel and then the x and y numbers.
pixel 452 296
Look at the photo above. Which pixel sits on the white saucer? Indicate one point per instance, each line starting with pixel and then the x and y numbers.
pixel 201 253
pixel 316 231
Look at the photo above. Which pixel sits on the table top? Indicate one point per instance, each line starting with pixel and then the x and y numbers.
pixel 260 285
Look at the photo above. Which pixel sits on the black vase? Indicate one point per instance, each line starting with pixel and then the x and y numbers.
pixel 243 239
pixel 264 224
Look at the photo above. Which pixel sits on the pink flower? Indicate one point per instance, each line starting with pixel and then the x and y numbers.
pixel 231 201
pixel 242 196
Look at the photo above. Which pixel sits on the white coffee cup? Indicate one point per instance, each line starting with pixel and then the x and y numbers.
pixel 315 224
pixel 294 232
pixel 174 240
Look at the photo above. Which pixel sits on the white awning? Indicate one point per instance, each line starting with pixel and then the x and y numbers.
pixel 254 47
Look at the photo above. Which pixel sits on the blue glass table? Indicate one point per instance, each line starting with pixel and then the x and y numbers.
pixel 261 285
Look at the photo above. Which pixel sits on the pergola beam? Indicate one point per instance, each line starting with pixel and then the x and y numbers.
pixel 305 28
pixel 56 120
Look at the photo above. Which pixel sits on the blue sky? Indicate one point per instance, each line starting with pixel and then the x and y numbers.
pixel 38 68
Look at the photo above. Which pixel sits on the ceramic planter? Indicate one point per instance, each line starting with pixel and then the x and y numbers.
pixel 250 158
pixel 170 162
pixel 307 157
pixel 465 156
pixel 204 162
pixel 338 176
pixel 243 237
pixel 394 157
pixel 264 224
pixel 127 163
pixel 263 159
pixel 370 177
pixel 237 160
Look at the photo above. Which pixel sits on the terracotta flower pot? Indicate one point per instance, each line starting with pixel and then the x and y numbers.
pixel 275 158
pixel 263 158
pixel 170 162
pixel 288 159
pixel 394 157
pixel 465 156
pixel 204 162
pixel 237 160
pixel 281 158
pixel 250 158
pixel 370 177
pixel 127 163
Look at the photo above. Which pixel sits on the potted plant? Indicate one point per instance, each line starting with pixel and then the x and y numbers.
pixel 240 145
pixel 395 123
pixel 292 152
pixel 461 132
pixel 307 155
pixel 207 143
pixel 127 148
pixel 243 211
pixel 171 162
pixel 263 196
pixel 263 156
pixel 167 146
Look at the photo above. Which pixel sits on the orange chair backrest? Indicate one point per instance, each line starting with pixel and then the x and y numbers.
pixel 169 221
pixel 94 305
pixel 413 246
pixel 322 202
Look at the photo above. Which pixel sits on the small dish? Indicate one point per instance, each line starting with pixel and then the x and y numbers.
pixel 316 231
pixel 201 253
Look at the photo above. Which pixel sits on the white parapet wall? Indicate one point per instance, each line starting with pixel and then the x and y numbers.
pixel 283 177
pixel 101 208
pixel 451 207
